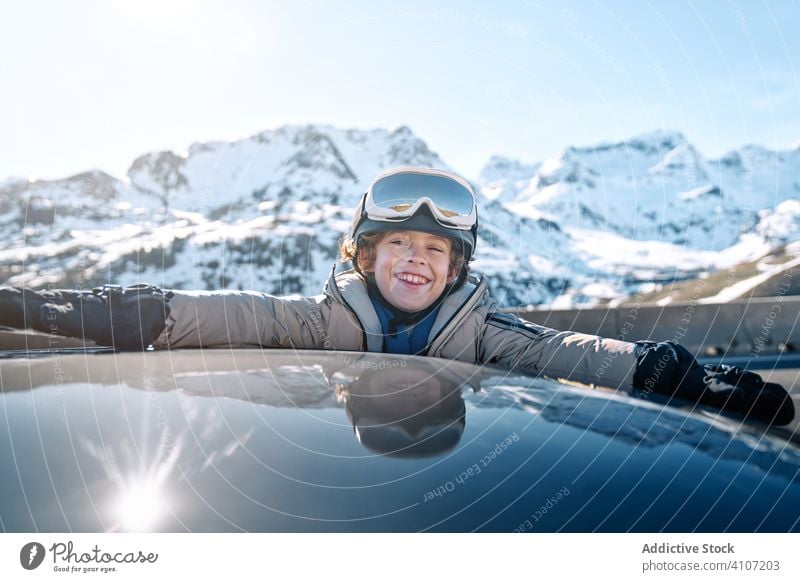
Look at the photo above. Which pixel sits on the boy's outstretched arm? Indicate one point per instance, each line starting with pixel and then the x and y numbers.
pixel 212 319
pixel 663 368
pixel 133 318
pixel 129 318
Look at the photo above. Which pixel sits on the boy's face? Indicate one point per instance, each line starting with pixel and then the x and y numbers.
pixel 412 268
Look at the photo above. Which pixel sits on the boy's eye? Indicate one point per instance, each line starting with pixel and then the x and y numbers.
pixel 437 249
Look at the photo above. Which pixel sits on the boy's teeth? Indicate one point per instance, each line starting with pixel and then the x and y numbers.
pixel 416 279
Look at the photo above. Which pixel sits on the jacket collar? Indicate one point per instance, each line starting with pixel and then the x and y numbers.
pixel 350 289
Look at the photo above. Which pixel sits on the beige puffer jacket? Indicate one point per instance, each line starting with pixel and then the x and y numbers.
pixel 467 328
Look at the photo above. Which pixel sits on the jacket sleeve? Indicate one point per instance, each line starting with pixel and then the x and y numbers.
pixel 514 343
pixel 211 319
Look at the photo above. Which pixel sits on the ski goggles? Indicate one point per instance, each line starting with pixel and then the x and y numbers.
pixel 399 194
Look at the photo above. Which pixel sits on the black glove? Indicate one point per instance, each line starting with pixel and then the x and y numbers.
pixel 669 369
pixel 127 319
pixel 19 308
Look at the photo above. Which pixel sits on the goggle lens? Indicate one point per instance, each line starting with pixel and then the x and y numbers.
pixel 399 192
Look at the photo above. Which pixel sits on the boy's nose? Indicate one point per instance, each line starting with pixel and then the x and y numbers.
pixel 415 254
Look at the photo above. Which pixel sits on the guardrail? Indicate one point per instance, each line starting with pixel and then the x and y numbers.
pixel 764 325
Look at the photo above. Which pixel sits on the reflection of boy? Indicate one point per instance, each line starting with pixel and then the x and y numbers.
pixel 409 292
pixel 405 411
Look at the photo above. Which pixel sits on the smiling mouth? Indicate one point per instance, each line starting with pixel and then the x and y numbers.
pixel 413 279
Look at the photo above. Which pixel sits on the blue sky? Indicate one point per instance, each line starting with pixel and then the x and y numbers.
pixel 95 84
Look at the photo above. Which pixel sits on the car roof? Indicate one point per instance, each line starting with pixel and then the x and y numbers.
pixel 293 440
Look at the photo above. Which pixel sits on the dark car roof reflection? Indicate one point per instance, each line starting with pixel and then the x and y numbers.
pixel 282 440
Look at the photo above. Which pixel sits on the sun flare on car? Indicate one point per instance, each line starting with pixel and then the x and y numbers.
pixel 140 497
pixel 141 506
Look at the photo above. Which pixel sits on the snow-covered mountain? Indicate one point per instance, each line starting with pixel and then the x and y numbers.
pixel 653 209
pixel 266 212
pixel 657 187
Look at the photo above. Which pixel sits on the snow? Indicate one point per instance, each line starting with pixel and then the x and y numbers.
pixel 609 252
pixel 781 224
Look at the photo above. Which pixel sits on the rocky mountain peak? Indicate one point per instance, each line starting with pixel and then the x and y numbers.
pixel 502 168
pixel 158 173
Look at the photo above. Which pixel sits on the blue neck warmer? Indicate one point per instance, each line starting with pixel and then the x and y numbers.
pixel 403 332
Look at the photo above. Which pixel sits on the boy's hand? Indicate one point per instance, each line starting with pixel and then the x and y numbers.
pixel 668 368
pixel 127 319
pixel 731 388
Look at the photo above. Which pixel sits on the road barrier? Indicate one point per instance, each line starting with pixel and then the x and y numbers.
pixel 758 326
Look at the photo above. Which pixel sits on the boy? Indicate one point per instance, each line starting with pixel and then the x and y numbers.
pixel 409 292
